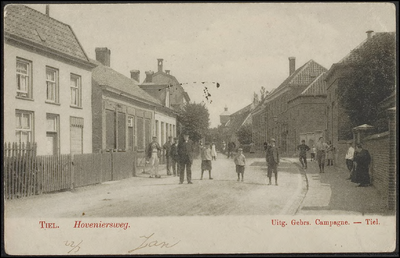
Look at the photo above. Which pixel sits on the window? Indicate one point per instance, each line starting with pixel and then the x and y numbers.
pixel 140 133
pixel 76 91
pixel 24 78
pixel 52 134
pixel 51 85
pixel 24 127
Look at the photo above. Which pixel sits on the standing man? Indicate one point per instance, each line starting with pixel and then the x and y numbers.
pixel 349 158
pixel 362 160
pixel 272 161
pixel 153 154
pixel 175 157
pixel 168 156
pixel 303 148
pixel 185 152
pixel 321 147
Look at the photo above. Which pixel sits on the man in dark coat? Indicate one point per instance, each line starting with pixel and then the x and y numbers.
pixel 185 152
pixel 303 148
pixel 362 159
pixel 175 157
pixel 272 158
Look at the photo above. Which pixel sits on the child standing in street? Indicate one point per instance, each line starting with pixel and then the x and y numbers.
pixel 206 158
pixel 240 162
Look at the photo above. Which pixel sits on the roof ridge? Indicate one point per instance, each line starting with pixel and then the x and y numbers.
pixel 43 14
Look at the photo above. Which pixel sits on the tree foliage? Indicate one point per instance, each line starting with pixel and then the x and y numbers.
pixel 244 134
pixel 195 120
pixel 372 78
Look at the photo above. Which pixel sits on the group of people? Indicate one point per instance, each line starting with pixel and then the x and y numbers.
pixel 179 157
pixel 357 160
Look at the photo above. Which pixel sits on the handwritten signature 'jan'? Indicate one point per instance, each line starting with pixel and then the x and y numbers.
pixel 74 246
pixel 153 243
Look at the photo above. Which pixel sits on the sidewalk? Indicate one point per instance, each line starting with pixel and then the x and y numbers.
pixel 332 193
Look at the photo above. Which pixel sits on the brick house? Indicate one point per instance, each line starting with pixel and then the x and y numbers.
pixel 275 116
pixel 124 115
pixel 238 119
pixel 339 126
pixel 306 114
pixel 178 96
pixel 47 84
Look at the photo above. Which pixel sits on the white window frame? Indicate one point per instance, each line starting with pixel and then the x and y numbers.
pixel 76 90
pixel 52 83
pixel 20 129
pixel 24 91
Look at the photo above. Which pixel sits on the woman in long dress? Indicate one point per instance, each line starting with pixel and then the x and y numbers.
pixel 362 160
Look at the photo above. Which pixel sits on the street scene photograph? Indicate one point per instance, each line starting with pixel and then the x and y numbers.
pixel 199 128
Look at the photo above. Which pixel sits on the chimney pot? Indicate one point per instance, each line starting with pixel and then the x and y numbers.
pixel 135 74
pixel 103 55
pixel 149 76
pixel 160 64
pixel 292 65
pixel 370 33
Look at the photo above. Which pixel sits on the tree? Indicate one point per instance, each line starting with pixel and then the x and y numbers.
pixel 244 134
pixel 372 78
pixel 195 120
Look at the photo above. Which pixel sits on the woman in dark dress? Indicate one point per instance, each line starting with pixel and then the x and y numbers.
pixel 362 159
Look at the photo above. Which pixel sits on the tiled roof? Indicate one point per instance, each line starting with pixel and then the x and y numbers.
pixel 317 87
pixel 23 22
pixel 302 76
pixel 238 118
pixel 106 76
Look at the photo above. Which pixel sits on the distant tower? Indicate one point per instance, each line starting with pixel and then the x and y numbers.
pixel 224 117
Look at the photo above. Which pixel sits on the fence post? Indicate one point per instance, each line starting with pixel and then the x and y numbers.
pixel 72 172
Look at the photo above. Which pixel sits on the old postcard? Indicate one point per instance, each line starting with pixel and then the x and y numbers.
pixel 199 128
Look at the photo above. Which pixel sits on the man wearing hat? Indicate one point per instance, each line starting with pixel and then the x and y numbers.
pixel 185 152
pixel 168 156
pixel 153 154
pixel 272 161
pixel 175 156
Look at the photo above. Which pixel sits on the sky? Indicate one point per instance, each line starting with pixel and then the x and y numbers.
pixel 242 46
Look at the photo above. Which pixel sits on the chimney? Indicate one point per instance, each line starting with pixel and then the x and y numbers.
pixel 135 74
pixel 370 33
pixel 292 65
pixel 226 108
pixel 149 76
pixel 167 71
pixel 160 64
pixel 47 10
pixel 103 55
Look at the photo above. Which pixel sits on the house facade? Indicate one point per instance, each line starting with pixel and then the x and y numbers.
pixel 47 84
pixel 306 113
pixel 275 120
pixel 125 117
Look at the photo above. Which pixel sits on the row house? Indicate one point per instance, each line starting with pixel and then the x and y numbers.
pixel 276 119
pixel 165 88
pixel 47 83
pixel 125 117
pixel 306 113
pixel 339 126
